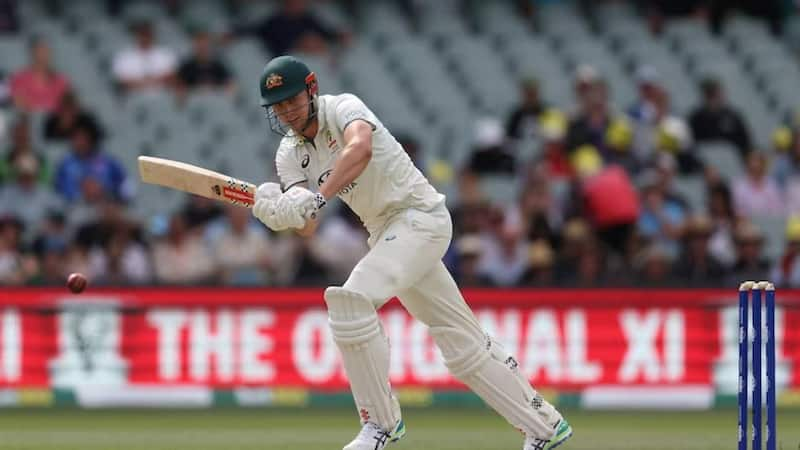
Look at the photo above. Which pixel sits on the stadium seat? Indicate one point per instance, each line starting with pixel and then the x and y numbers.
pixel 15 53
pixel 774 231
pixel 693 190
pixel 499 20
pixel 723 157
pixel 383 20
pixel 500 190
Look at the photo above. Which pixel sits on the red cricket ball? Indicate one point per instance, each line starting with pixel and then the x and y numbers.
pixel 77 282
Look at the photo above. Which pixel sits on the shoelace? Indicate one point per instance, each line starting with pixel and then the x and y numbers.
pixel 538 444
pixel 371 431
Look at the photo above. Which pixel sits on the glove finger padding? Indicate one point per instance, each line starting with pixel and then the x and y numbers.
pixel 304 200
pixel 268 191
pixel 288 213
pixel 264 210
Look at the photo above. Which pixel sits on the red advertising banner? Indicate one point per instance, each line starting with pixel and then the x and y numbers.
pixel 565 339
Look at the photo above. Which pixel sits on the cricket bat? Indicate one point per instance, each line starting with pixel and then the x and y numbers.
pixel 196 180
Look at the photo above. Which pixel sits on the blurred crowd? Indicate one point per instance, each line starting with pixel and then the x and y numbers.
pixel 598 203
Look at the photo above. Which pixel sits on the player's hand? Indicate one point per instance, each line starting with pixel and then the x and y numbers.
pixel 307 202
pixel 268 191
pixel 278 214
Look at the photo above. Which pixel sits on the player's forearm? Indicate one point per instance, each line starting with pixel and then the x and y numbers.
pixel 355 158
pixel 309 229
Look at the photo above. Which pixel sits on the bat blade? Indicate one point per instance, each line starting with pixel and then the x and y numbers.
pixel 196 180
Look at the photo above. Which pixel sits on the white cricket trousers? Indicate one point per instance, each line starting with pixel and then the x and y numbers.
pixel 405 260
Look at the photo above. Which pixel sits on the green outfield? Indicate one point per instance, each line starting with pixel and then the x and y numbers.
pixel 428 429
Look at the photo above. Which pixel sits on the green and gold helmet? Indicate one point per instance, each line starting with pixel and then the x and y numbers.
pixel 282 78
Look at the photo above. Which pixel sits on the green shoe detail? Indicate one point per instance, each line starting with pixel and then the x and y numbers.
pixel 398 432
pixel 563 432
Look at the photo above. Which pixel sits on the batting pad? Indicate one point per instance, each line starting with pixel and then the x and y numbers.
pixel 493 374
pixel 359 335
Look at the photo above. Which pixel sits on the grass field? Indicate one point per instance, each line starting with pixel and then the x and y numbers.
pixel 428 429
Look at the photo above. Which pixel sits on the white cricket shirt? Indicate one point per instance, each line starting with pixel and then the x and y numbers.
pixel 389 183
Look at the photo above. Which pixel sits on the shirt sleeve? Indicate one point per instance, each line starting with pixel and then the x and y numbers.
pixel 288 168
pixel 350 108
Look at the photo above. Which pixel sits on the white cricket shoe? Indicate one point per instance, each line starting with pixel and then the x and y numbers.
pixel 373 437
pixel 563 432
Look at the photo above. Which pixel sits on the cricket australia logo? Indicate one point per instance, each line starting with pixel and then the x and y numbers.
pixel 89 350
pixel 274 80
pixel 330 139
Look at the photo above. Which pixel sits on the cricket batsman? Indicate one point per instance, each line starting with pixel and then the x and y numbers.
pixel 333 145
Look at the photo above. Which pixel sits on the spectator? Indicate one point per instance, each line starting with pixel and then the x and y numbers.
pixel 786 167
pixel 536 212
pixel 786 161
pixel 618 141
pixel 469 249
pixel 24 197
pixel 586 78
pixel 145 66
pixel 122 260
pixel 590 268
pixel 541 271
pixel 771 11
pixel 653 266
pixel 504 260
pixel 588 124
pixel 9 17
pixel 758 194
pixel 52 230
pixel 575 235
pixel 592 123
pixel 723 221
pixel 85 161
pixel 750 264
pixel 524 120
pixel 60 123
pixel 22 146
pixel 673 137
pixel 554 159
pixel 15 266
pixel 786 272
pixel 658 11
pixel 491 156
pixel 715 119
pixel 97 228
pixel 605 196
pixel 38 87
pixel 52 263
pixel 661 220
pixel 645 111
pixel 242 250
pixel 199 211
pixel 203 69
pixel 181 257
pixel 696 265
pixel 340 244
pixel 5 100
pixel 664 170
pixel 295 29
